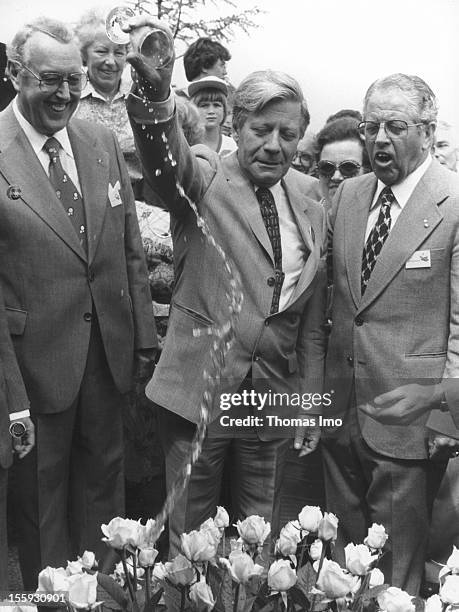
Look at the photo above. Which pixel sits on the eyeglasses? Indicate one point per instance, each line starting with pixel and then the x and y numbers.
pixel 394 128
pixel 347 168
pixel 52 81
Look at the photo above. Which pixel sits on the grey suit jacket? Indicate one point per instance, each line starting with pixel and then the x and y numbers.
pixel 13 397
pixel 285 350
pixel 51 287
pixel 406 327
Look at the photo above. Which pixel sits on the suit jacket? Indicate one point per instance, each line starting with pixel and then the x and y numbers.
pixel 13 397
pixel 52 288
pixel 285 350
pixel 406 327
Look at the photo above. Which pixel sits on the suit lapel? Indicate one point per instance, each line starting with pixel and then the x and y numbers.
pixel 355 224
pixel 93 167
pixel 243 191
pixel 418 219
pixel 23 170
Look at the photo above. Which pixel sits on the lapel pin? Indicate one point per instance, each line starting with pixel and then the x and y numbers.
pixel 426 223
pixel 14 192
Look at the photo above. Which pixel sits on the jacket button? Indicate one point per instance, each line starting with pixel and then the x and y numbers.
pixel 257 358
pixel 350 360
pixel 271 281
pixel 267 323
pixel 359 321
pixel 87 317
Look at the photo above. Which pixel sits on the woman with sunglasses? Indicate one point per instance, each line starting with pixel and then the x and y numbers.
pixel 340 154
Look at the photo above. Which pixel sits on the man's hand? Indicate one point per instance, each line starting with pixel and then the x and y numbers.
pixel 144 366
pixel 442 448
pixel 306 439
pixel 155 82
pixel 25 443
pixel 403 405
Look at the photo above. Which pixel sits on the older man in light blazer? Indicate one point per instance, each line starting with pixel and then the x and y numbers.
pixel 76 295
pixel 395 334
pixel 279 339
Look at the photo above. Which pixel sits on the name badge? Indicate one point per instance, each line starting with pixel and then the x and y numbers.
pixel 419 259
pixel 114 194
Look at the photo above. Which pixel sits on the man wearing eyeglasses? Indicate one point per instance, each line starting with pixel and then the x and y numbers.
pixel 394 346
pixel 76 295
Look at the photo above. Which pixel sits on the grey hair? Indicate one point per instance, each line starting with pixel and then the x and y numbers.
pixel 89 23
pixel 262 87
pixel 58 30
pixel 421 98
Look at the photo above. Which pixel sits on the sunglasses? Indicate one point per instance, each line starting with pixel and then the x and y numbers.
pixel 347 168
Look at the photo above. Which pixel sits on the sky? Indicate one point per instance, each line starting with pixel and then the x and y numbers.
pixel 334 48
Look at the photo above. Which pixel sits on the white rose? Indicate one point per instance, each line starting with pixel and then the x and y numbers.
pixel 333 581
pixel 376 537
pixel 449 590
pixel 83 591
pixel 289 538
pixel 358 558
pixel 221 519
pixel 433 604
pixel 52 579
pixel 453 561
pixel 147 557
pixel 180 571
pixel 328 527
pixel 202 597
pixel 198 546
pixel 281 575
pixel 88 560
pixel 74 567
pixel 394 599
pixel 241 566
pixel 122 532
pixel 376 578
pixel 310 517
pixel 254 529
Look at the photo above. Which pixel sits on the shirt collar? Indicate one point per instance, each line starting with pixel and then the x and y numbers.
pixel 403 190
pixel 36 139
pixel 123 90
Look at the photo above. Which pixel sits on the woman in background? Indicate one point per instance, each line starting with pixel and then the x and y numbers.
pixel 103 99
pixel 340 154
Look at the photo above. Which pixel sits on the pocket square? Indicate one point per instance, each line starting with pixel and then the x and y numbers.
pixel 114 194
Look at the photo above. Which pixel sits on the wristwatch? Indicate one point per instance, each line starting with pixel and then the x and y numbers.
pixel 17 429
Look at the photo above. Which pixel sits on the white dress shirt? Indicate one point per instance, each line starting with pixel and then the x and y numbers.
pixel 402 192
pixel 37 141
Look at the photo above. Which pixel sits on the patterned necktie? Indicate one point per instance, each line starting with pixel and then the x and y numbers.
pixel 66 191
pixel 271 220
pixel 377 237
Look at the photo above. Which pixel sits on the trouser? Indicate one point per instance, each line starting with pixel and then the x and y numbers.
pixel 364 487
pixel 255 468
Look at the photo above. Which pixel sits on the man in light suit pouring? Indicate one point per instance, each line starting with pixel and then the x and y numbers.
pixel 394 346
pixel 279 340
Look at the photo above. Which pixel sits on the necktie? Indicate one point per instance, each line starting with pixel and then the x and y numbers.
pixel 66 191
pixel 377 237
pixel 271 220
